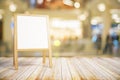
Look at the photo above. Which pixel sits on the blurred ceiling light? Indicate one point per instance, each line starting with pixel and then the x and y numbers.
pixel 101 7
pixel 1 16
pixel 117 20
pixel 94 21
pixel 114 16
pixel 39 1
pixel 77 5
pixel 82 17
pixel 68 2
pixel 72 24
pixel 118 0
pixel 12 7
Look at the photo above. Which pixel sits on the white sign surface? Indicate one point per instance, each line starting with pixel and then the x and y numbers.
pixel 32 32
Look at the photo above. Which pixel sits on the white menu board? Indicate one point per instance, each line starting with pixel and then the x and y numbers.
pixel 32 32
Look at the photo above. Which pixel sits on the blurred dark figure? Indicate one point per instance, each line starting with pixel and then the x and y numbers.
pixel 108 45
pixel 115 36
pixel 98 43
pixel 115 40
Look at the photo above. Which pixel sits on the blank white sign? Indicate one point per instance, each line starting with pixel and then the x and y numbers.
pixel 32 32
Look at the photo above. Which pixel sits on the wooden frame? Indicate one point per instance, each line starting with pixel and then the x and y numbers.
pixel 15 55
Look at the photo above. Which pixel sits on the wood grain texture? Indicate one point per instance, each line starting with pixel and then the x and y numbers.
pixel 74 68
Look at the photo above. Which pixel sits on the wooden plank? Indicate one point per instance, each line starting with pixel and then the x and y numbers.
pixel 1 58
pixel 4 60
pixel 65 71
pixel 4 64
pixel 96 69
pixel 37 70
pixel 112 71
pixel 31 67
pixel 49 73
pixel 8 69
pixel 79 69
pixel 22 68
pixel 111 61
pixel 58 70
pixel 112 65
pixel 103 74
pixel 87 73
pixel 42 72
pixel 88 69
pixel 72 70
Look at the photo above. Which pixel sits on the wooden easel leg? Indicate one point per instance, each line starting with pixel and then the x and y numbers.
pixel 50 59
pixel 16 59
pixel 44 56
pixel 13 58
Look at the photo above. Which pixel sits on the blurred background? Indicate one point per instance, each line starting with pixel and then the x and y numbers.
pixel 77 27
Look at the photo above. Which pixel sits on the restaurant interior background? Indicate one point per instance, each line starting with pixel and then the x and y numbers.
pixel 72 24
